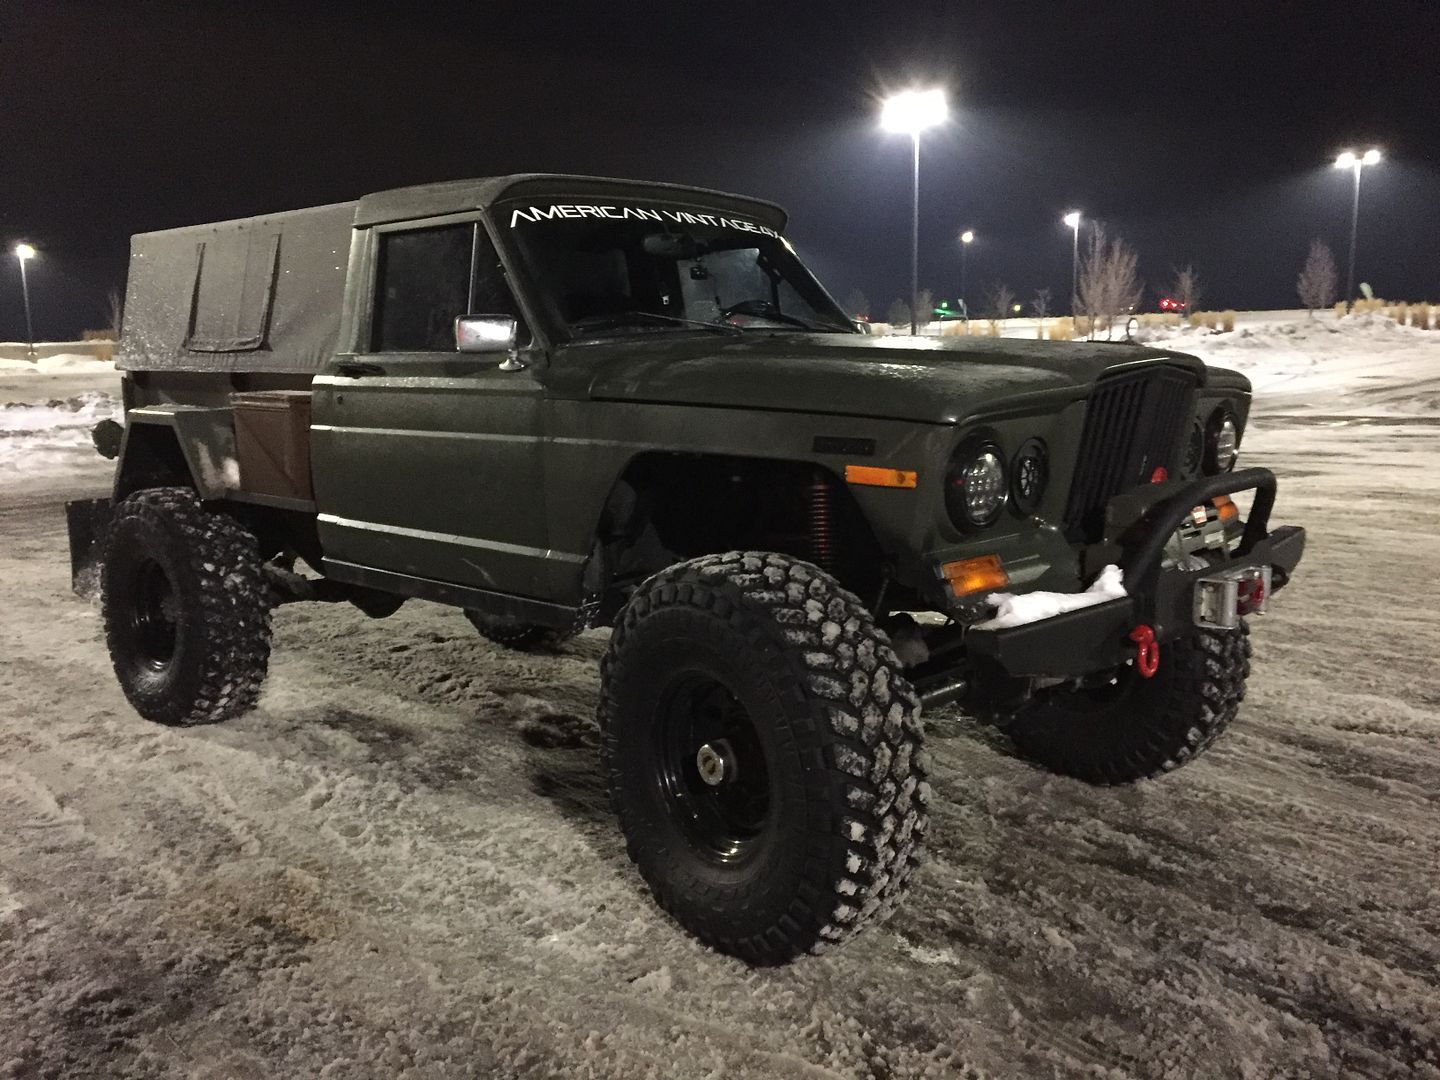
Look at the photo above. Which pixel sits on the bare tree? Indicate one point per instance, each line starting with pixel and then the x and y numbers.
pixel 1040 305
pixel 1187 289
pixel 1318 278
pixel 857 305
pixel 115 304
pixel 1000 298
pixel 1109 286
pixel 899 313
pixel 926 311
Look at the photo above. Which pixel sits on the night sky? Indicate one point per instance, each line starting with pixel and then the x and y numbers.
pixel 1202 133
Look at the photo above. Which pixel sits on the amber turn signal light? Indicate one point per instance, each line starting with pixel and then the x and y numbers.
pixel 969 576
pixel 1227 510
pixel 875 476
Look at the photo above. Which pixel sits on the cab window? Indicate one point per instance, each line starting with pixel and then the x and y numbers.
pixel 426 278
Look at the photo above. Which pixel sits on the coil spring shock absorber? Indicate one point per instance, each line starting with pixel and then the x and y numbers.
pixel 821 551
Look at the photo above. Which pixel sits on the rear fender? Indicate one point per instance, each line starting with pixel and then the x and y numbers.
pixel 184 445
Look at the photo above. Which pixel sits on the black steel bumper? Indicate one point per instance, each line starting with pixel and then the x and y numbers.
pixel 1096 638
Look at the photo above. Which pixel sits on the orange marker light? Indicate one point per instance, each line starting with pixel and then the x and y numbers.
pixel 970 576
pixel 875 476
pixel 1227 510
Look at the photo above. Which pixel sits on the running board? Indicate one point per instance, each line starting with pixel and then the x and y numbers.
pixel 504 605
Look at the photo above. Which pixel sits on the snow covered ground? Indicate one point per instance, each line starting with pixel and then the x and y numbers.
pixel 403 863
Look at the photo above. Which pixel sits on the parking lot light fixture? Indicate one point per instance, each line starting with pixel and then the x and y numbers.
pixel 966 239
pixel 911 112
pixel 1356 164
pixel 1073 220
pixel 23 254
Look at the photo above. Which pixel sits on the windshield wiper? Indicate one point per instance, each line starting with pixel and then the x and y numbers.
pixel 620 318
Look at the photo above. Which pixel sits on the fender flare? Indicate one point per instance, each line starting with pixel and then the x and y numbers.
pixel 167 444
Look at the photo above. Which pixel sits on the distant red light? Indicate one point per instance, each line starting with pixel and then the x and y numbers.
pixel 1160 475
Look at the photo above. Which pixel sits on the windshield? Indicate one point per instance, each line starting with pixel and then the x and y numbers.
pixel 608 270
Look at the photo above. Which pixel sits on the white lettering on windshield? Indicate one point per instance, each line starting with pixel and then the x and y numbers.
pixel 533 214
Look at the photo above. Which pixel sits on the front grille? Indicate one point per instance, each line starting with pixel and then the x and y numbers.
pixel 1133 424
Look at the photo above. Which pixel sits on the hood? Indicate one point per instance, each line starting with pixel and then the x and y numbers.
pixel 931 380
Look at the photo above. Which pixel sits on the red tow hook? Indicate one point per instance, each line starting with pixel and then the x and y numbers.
pixel 1147 650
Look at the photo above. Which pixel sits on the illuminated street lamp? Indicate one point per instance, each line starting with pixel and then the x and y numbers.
pixel 912 112
pixel 966 239
pixel 1073 220
pixel 23 254
pixel 1350 160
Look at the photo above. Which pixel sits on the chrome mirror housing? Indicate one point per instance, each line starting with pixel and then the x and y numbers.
pixel 485 333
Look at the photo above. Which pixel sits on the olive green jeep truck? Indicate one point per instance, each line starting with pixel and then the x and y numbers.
pixel 561 402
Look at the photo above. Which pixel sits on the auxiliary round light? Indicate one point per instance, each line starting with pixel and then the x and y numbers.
pixel 1222 443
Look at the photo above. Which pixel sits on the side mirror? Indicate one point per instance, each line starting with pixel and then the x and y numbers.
pixel 485 333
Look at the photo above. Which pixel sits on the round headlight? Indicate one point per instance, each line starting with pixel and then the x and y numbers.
pixel 977 486
pixel 1222 443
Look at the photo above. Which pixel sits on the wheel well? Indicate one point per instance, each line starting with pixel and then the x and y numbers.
pixel 151 457
pixel 667 507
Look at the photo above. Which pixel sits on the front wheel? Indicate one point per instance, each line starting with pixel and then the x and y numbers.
pixel 764 754
pixel 1127 727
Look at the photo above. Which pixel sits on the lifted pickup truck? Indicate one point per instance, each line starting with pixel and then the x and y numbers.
pixel 562 402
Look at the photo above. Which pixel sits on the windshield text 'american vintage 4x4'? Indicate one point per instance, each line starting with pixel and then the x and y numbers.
pixel 559 403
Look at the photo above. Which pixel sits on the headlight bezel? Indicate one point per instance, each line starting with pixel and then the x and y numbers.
pixel 1031 450
pixel 970 452
pixel 1219 459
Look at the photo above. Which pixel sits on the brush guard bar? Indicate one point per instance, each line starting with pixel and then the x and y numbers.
pixel 1162 598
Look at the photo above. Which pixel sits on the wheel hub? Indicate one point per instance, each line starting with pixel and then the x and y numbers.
pixel 716 763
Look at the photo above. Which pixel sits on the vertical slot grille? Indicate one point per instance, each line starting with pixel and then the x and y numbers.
pixel 1133 424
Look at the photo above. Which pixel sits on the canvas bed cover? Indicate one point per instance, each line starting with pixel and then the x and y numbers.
pixel 255 294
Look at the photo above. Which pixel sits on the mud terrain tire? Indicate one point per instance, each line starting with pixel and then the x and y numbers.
pixel 186 608
pixel 819 829
pixel 1140 728
pixel 513 634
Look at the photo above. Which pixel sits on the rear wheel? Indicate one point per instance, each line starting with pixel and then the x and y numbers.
pixel 186 607
pixel 1129 728
pixel 517 635
pixel 764 754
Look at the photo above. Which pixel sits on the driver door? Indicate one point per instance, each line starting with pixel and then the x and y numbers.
pixel 428 462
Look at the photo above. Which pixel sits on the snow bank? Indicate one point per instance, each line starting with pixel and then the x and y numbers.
pixel 46 434
pixel 1364 365
pixel 1032 607
pixel 50 365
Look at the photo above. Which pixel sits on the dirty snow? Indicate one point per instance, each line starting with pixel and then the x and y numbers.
pixel 404 865
pixel 1012 610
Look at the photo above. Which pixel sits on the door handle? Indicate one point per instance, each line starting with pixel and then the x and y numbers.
pixel 355 368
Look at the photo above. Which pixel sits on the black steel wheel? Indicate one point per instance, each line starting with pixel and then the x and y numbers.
pixel 763 750
pixel 186 607
pixel 711 765
pixel 1125 727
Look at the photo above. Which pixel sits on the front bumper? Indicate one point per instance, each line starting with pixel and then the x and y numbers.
pixel 1163 598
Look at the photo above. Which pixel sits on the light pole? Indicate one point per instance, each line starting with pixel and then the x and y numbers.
pixel 23 254
pixel 912 112
pixel 966 239
pixel 1350 160
pixel 1073 220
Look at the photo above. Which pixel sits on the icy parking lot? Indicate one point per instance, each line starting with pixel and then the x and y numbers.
pixel 403 864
